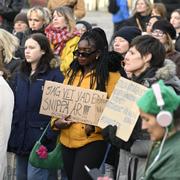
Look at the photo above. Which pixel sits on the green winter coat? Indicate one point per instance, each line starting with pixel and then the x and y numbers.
pixel 167 167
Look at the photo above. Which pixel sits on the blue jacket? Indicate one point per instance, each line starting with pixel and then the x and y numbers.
pixel 123 12
pixel 28 124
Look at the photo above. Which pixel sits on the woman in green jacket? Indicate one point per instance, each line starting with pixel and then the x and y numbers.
pixel 160 114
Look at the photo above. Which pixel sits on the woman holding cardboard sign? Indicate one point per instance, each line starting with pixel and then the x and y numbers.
pixel 145 60
pixel 83 144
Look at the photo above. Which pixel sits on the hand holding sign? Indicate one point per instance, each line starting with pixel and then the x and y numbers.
pixel 121 109
pixel 63 122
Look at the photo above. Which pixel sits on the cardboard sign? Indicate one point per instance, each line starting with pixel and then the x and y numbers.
pixel 121 108
pixel 59 99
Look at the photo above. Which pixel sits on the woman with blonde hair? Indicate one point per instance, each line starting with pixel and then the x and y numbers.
pixel 6 109
pixel 42 14
pixel 38 18
pixel 141 14
pixel 8 46
pixel 63 36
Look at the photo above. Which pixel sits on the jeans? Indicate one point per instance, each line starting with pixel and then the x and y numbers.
pixel 25 171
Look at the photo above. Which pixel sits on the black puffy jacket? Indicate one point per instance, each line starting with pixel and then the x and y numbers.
pixel 8 10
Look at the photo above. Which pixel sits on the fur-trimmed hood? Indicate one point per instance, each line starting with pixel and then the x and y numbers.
pixel 167 73
pixel 54 63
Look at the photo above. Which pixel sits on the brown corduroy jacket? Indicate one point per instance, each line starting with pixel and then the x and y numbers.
pixel 79 6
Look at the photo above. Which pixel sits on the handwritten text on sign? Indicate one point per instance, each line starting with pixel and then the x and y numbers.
pixel 59 99
pixel 121 109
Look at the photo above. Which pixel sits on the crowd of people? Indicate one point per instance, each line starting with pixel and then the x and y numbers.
pixel 52 42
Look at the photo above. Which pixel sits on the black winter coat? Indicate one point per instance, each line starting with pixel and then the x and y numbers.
pixel 136 20
pixel 8 10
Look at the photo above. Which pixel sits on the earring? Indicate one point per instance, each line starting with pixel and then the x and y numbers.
pixel 97 57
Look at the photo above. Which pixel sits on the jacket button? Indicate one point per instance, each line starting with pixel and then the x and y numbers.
pixel 41 128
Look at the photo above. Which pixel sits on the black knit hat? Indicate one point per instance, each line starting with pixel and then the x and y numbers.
pixel 21 17
pixel 166 27
pixel 86 24
pixel 128 33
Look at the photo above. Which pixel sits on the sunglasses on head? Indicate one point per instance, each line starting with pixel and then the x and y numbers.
pixel 83 54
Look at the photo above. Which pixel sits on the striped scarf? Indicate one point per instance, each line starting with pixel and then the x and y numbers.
pixel 59 37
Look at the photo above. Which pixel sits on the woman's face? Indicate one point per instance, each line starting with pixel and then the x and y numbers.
pixel 150 24
pixel 58 20
pixel 149 123
pixel 175 20
pixel 35 22
pixel 120 45
pixel 86 53
pixel 134 63
pixel 33 51
pixel 141 6
pixel 20 26
pixel 155 12
pixel 81 28
pixel 158 34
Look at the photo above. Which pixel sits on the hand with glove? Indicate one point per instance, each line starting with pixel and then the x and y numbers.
pixel 63 122
pixel 89 129
pixel 109 134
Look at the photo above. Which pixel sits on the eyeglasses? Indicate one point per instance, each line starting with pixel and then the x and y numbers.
pixel 158 33
pixel 83 54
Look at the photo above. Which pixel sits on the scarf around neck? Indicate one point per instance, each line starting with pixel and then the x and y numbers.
pixel 59 37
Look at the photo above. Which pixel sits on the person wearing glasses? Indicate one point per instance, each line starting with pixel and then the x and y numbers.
pixel 145 60
pixel 150 23
pixel 63 36
pixel 83 144
pixel 165 32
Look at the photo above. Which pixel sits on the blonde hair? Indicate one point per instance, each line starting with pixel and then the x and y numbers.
pixel 169 45
pixel 43 13
pixel 9 44
pixel 148 4
pixel 67 13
